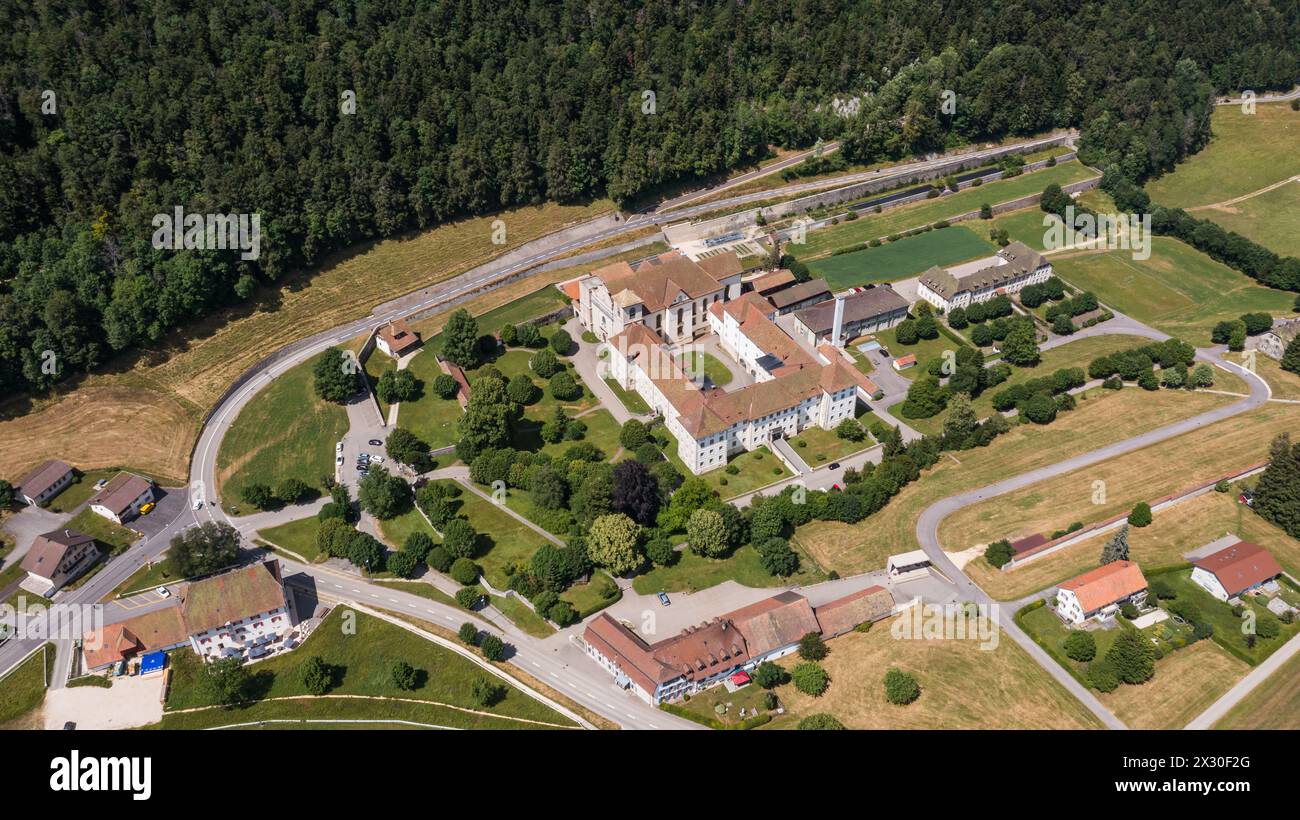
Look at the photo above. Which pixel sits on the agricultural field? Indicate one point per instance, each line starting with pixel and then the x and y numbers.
pixel 1178 290
pixel 1273 704
pixel 906 257
pixel 362 660
pixel 1141 475
pixel 284 431
pixel 1232 444
pixel 172 385
pixel 1271 218
pixel 927 212
pixel 1114 418
pixel 1248 152
pixel 962 687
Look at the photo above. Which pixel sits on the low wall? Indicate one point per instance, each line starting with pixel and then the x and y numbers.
pixel 1114 521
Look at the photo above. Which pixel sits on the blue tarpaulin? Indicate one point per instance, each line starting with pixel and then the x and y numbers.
pixel 152 662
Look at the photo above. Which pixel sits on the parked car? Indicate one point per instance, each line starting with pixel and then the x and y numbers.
pixel 663 599
pixel 364 456
pixel 835 465
pixel 163 592
pixel 147 508
pixel 338 448
pixel 1247 497
pixel 377 459
pixel 339 460
pixel 374 442
pixel 197 505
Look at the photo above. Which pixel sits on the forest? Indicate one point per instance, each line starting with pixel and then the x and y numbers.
pixel 340 121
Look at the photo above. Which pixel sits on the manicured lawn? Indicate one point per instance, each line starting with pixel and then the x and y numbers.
pixel 503 540
pixel 540 302
pixel 80 491
pixel 523 617
pixel 925 350
pixel 713 369
pixel 693 572
pixel 962 686
pixel 593 596
pixel 896 220
pixel 377 364
pixel 1048 631
pixel 114 536
pixel 515 361
pixel 1141 475
pixel 396 530
pixel 364 712
pixel 147 577
pixel 1284 384
pixel 1272 218
pixel 756 469
pixel 705 704
pixel 1115 418
pixel 1274 704
pixel 1178 290
pixel 906 257
pixel 824 446
pixel 298 536
pixel 431 418
pixel 23 689
pixel 632 401
pixel 364 658
pixel 1228 627
pixel 602 431
pixel 1248 152
pixel 283 432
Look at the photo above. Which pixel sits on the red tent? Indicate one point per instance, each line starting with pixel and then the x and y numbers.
pixel 740 678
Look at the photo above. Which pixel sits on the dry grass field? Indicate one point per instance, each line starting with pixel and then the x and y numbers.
pixel 1142 475
pixel 962 686
pixel 145 412
pixel 1274 704
pixel 1185 684
pixel 1248 152
pixel 1173 531
pixel 1114 417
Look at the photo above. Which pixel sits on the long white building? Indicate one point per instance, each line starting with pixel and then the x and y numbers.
pixel 1010 270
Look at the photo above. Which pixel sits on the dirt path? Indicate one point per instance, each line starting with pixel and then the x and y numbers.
pixel 1227 202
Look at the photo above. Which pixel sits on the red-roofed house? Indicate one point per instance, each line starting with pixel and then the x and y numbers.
pixel 396 338
pixel 1234 570
pixel 1100 592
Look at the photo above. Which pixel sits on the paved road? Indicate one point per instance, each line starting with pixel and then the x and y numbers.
pixel 1262 98
pixel 927 526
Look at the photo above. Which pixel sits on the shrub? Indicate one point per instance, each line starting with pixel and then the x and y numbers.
pixel 317 676
pixel 464 571
pixel 403 675
pixel 820 723
pixel 561 342
pixel 469 597
pixel 1141 515
pixel 901 688
pixel 769 675
pixel 810 679
pixel 492 647
pixel 487 692
pixel 1102 677
pixel 812 647
pixel 998 553
pixel 1081 646
pixel 563 387
pixel 468 633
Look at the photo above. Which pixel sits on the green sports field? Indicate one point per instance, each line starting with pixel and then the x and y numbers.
pixel 1178 290
pixel 927 212
pixel 899 260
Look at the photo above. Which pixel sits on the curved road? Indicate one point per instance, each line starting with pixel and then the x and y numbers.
pixel 927 525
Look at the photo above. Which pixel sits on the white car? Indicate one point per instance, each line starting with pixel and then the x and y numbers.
pixel 338 448
pixel 377 459
pixel 197 505
pixel 163 592
pixel 339 461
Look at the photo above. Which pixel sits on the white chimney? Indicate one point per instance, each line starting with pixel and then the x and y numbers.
pixel 838 326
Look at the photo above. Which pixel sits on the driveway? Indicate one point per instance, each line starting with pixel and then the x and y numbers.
pixel 25 525
pixel 168 507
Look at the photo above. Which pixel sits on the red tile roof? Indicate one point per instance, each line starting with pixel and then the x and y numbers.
pixel 120 493
pixel 1240 566
pixel 773 622
pixel 842 614
pixel 399 337
pixel 1106 584
pixel 160 629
